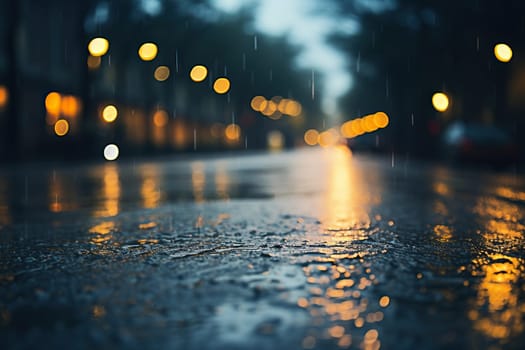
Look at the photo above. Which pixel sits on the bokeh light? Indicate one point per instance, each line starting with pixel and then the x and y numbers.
pixel 311 137
pixel 328 138
pixel 98 47
pixel 221 85
pixel 148 51
pixel 70 106
pixel 503 52
pixel 269 109
pixel 232 132
pixel 93 62
pixel 292 108
pixel 355 125
pixel 381 120
pixel 346 130
pixel 258 103
pixel 162 73
pixel 275 140
pixel 111 152
pixel 52 102
pixel 160 118
pixel 367 123
pixel 109 113
pixel 440 101
pixel 4 96
pixel 61 127
pixel 198 73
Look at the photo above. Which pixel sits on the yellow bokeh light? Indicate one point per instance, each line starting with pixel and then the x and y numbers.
pixel 4 96
pixel 93 62
pixel 355 125
pixel 52 102
pixel 503 52
pixel 111 152
pixel 367 123
pixel 269 108
pixel 98 47
pixel 162 73
pixel 258 103
pixel 61 127
pixel 198 73
pixel 328 138
pixel 148 51
pixel 293 108
pixel 440 101
pixel 160 118
pixel 221 85
pixel 232 132
pixel 384 301
pixel 346 130
pixel 311 137
pixel 381 120
pixel 70 106
pixel 275 140
pixel 109 113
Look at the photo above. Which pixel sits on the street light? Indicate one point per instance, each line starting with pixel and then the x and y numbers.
pixel 221 85
pixel 503 52
pixel 109 113
pixel 440 102
pixel 198 73
pixel 98 47
pixel 148 51
pixel 111 152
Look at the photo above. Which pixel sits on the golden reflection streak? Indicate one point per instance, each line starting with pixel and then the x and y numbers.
pixel 335 289
pixel 499 294
pixel 222 182
pixel 102 232
pixel 508 193
pixel 149 189
pixel 347 201
pixel 443 233
pixel 497 312
pixel 198 181
pixel 110 192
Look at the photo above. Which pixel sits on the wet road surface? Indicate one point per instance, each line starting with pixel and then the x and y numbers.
pixel 311 249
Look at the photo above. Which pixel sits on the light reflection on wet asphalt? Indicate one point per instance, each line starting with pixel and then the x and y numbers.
pixel 305 249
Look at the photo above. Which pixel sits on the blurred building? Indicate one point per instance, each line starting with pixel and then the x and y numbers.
pixel 41 52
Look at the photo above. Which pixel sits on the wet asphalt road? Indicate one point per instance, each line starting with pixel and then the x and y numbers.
pixel 311 249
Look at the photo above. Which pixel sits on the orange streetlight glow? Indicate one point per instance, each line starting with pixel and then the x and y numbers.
pixel 232 132
pixel 61 127
pixel 311 137
pixel 4 96
pixel 258 103
pixel 52 102
pixel 221 85
pixel 160 118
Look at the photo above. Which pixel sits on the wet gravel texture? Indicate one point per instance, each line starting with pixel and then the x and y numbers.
pixel 300 250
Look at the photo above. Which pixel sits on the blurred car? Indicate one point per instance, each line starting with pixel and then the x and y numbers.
pixel 478 143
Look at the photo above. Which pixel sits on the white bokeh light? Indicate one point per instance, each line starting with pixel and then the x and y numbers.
pixel 111 152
